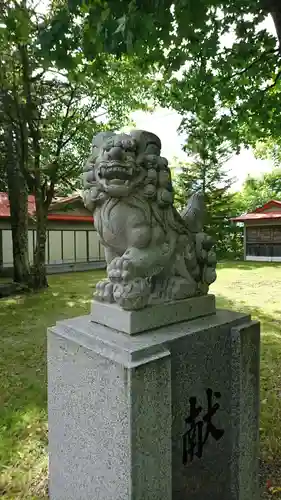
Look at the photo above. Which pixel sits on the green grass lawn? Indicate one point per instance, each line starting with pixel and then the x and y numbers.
pixel 247 287
pixel 256 289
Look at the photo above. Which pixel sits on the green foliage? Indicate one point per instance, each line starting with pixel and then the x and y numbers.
pixel 269 149
pixel 216 63
pixel 61 110
pixel 212 180
pixel 74 109
pixel 228 63
pixel 54 112
pixel 258 191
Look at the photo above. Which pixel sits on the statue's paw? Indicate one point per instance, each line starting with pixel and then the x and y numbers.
pixel 133 295
pixel 120 270
pixel 104 291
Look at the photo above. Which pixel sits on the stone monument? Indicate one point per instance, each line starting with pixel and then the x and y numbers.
pixel 155 394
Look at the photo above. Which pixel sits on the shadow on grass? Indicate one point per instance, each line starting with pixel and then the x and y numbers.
pixel 270 381
pixel 269 322
pixel 23 413
pixel 23 400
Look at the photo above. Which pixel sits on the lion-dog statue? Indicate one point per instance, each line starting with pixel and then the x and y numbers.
pixel 153 253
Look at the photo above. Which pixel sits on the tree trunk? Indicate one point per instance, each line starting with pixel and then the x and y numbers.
pixel 32 116
pixel 276 14
pixel 273 7
pixel 18 197
pixel 39 268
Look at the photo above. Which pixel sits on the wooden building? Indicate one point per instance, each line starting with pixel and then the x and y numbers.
pixel 72 243
pixel 262 233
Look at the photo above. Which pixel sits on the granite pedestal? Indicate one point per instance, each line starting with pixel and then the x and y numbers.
pixel 168 414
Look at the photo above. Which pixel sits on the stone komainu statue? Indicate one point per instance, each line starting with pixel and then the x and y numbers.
pixel 153 253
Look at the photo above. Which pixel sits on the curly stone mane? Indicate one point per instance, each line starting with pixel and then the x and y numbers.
pixel 156 184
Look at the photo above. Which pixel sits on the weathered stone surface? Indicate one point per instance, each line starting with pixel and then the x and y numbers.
pixel 155 316
pixel 154 254
pixel 101 429
pixel 245 410
pixel 120 408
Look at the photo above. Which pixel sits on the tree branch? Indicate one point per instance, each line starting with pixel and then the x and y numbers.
pixel 64 123
pixel 101 114
pixel 38 76
pixel 84 120
pixel 60 143
pixel 255 61
pixel 277 77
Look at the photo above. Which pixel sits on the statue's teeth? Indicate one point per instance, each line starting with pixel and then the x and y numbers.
pixel 115 169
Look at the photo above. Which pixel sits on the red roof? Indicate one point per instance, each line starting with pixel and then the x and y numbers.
pixel 269 204
pixel 5 205
pixel 261 212
pixel 5 209
pixel 254 216
pixel 87 218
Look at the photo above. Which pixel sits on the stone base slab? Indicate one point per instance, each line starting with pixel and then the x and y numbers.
pixel 156 316
pixel 126 412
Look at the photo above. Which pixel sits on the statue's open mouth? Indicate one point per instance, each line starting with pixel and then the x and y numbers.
pixel 115 172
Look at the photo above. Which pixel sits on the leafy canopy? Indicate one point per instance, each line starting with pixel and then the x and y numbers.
pixel 257 191
pixel 206 172
pixel 50 111
pixel 211 54
pixel 269 149
pixel 55 111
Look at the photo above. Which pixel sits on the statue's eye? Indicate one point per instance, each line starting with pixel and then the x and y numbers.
pixel 129 146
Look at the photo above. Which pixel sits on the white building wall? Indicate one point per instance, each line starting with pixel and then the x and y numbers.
pixel 68 246
pixel 94 246
pixel 81 246
pixel 31 244
pixel 7 248
pixel 63 246
pixel 55 247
